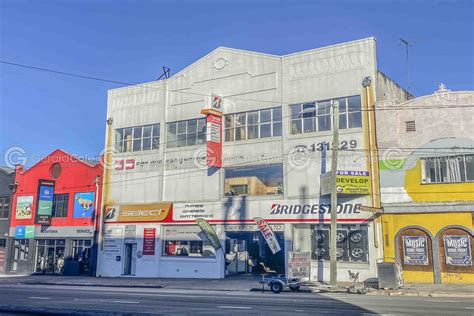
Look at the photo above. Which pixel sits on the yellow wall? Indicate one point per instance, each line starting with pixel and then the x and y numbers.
pixel 436 192
pixel 432 222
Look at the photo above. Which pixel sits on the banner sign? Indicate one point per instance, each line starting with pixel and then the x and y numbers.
pixel 139 213
pixel 130 235
pixel 299 264
pixel 25 232
pixel 113 241
pixel 415 250
pixel 24 207
pixel 44 208
pixel 268 234
pixel 347 182
pixel 214 141
pixel 149 235
pixel 192 211
pixel 458 250
pixel 84 205
pixel 209 233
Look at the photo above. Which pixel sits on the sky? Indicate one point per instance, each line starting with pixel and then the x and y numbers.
pixel 130 40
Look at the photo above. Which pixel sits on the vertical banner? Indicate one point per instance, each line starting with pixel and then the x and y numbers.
pixel 458 250
pixel 209 232
pixel 44 205
pixel 268 234
pixel 214 140
pixel 149 235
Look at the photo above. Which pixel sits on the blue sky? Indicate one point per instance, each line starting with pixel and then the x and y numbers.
pixel 129 41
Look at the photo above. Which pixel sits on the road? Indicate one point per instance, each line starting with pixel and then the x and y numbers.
pixel 86 300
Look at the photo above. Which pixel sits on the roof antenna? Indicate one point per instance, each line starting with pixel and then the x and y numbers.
pixel 165 74
pixel 407 45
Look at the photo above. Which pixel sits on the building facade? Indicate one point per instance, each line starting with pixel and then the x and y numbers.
pixel 276 146
pixel 426 150
pixel 54 218
pixel 7 180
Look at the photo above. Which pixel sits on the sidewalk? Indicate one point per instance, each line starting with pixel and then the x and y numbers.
pixel 237 283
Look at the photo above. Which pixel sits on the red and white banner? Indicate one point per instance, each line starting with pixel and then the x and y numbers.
pixel 149 235
pixel 214 141
pixel 268 234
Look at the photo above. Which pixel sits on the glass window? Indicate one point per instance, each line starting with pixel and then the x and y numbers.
pixel 4 206
pixel 60 205
pixel 254 180
pixel 352 243
pixel 186 133
pixel 186 241
pixel 137 138
pixel 448 169
pixel 252 125
pixel 324 116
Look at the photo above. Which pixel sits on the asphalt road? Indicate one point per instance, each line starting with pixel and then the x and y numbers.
pixel 39 299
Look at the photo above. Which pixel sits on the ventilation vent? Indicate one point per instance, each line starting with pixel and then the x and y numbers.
pixel 410 126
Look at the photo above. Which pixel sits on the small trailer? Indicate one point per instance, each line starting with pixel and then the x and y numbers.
pixel 278 282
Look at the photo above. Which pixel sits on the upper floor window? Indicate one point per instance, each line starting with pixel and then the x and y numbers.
pixel 60 204
pixel 254 180
pixel 316 116
pixel 252 125
pixel 4 206
pixel 448 169
pixel 137 138
pixel 186 133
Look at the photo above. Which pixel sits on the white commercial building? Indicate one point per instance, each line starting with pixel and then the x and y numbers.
pixel 275 149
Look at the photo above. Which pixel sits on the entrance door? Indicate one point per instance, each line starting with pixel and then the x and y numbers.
pixel 129 259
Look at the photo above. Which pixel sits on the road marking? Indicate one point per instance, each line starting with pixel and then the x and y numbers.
pixel 469 307
pixel 299 310
pixel 439 301
pixel 39 298
pixel 127 302
pixel 234 307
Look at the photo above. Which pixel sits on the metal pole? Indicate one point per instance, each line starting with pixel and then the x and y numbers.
pixel 333 242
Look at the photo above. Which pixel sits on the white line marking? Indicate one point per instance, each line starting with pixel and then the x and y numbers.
pixel 469 307
pixel 299 310
pixel 39 298
pixel 439 301
pixel 235 307
pixel 127 302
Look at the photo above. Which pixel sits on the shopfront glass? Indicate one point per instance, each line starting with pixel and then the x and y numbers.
pixel 21 248
pixel 186 241
pixel 50 255
pixel 82 252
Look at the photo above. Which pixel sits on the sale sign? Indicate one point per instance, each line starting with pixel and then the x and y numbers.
pixel 214 141
pixel 268 234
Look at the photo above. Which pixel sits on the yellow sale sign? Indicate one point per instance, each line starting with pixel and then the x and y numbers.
pixel 353 182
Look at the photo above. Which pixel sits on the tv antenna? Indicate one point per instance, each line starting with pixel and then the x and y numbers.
pixel 407 45
pixel 165 74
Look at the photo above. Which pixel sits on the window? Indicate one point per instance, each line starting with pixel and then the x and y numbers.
pixel 252 125
pixel 82 252
pixel 254 180
pixel 410 126
pixel 3 243
pixel 186 241
pixel 186 133
pixel 4 207
pixel 60 204
pixel 21 248
pixel 352 243
pixel 316 116
pixel 138 138
pixel 449 169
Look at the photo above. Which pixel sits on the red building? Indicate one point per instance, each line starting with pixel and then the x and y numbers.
pixel 54 220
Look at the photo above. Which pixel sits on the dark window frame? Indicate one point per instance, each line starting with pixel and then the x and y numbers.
pixel 60 205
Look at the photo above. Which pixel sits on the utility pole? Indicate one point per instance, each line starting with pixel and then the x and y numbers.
pixel 333 239
pixel 407 45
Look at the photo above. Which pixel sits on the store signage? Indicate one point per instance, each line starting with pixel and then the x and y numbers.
pixel 29 231
pixel 214 141
pixel 20 232
pixel 268 234
pixel 24 207
pixel 299 265
pixel 84 205
pixel 415 250
pixel 149 235
pixel 251 227
pixel 44 207
pixel 347 182
pixel 302 209
pixel 143 212
pixel 209 233
pixel 458 250
pixel 25 232
pixel 130 234
pixel 192 211
pixel 216 102
pixel 112 242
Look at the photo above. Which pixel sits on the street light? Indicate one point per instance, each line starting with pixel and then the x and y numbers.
pixel 335 146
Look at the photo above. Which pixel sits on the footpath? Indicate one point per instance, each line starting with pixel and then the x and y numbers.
pixel 238 283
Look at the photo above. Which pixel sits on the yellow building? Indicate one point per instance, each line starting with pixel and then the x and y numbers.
pixel 426 167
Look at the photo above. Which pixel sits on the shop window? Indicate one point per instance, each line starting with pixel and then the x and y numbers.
pixel 186 241
pixel 82 252
pixel 60 205
pixel 21 248
pixel 4 207
pixel 137 138
pixel 3 243
pixel 352 243
pixel 254 180
pixel 316 116
pixel 252 125
pixel 186 133
pixel 448 169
